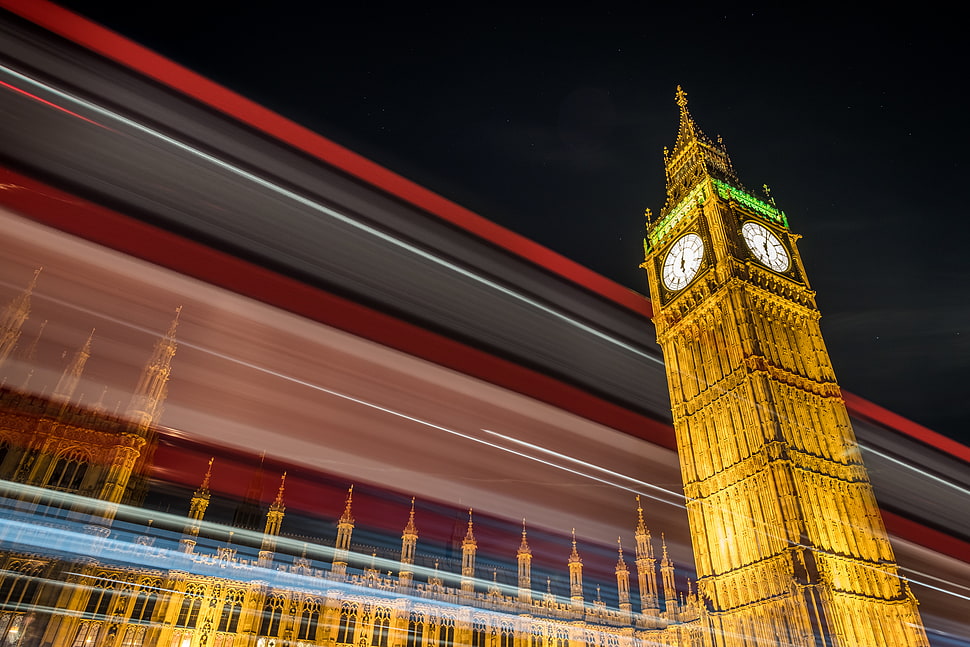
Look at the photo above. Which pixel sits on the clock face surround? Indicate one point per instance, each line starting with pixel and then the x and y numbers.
pixel 683 261
pixel 765 246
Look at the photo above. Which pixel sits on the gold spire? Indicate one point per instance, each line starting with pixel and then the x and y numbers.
pixel 208 476
pixel 278 502
pixel 574 557
pixel 410 528
pixel 71 376
pixel 149 396
pixel 29 354
pixel 524 545
pixel 620 563
pixel 347 516
pixel 12 321
pixel 469 535
pixel 641 526
pixel 688 130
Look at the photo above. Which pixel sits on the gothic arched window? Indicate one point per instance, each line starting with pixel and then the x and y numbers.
pixel 272 615
pixel 99 601
pixel 537 639
pixel 20 585
pixel 309 616
pixel 348 623
pixel 68 472
pixel 382 622
pixel 191 604
pixel 507 635
pixel 231 610
pixel 446 632
pixel 415 630
pixel 479 632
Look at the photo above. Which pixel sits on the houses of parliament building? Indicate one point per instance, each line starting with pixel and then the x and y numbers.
pixel 789 545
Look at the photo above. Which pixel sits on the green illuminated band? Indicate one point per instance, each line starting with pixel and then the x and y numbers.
pixel 695 198
pixel 729 192
pixel 698 197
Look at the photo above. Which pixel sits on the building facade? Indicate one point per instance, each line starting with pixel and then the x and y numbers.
pixel 788 540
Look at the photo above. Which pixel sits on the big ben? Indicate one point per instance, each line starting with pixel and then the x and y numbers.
pixel 789 542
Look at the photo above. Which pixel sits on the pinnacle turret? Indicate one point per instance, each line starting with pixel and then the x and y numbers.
pixel 693 158
pixel 71 376
pixel 345 529
pixel 197 508
pixel 524 556
pixel 146 403
pixel 12 321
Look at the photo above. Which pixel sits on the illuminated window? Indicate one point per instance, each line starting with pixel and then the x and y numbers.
pixel 507 636
pixel 145 602
pixel 348 623
pixel 68 472
pixel 191 604
pixel 19 586
pixel 382 621
pixel 309 615
pixel 272 616
pixel 562 638
pixel 446 633
pixel 134 637
pixel 99 601
pixel 231 610
pixel 87 634
pixel 537 640
pixel 415 630
pixel 479 631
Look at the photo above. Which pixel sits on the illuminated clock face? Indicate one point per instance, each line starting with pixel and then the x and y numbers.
pixel 765 246
pixel 682 262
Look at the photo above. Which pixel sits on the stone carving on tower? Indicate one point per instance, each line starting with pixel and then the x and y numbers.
pixel 788 539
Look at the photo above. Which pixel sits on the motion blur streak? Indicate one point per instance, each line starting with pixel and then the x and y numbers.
pixel 46 532
pixel 50 104
pixel 327 211
pixel 916 469
pixel 680 505
pixel 591 466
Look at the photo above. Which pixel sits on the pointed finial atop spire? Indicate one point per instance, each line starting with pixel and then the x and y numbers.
pixel 681 98
pixel 549 585
pixel 641 528
pixel 175 323
pixel 470 535
pixel 663 543
pixel 524 545
pixel 208 475
pixel 347 516
pixel 574 555
pixel 279 493
pixel 410 528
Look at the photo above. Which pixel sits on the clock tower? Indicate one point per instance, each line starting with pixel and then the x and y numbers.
pixel 789 542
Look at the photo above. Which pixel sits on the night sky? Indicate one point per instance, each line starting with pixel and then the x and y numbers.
pixel 552 123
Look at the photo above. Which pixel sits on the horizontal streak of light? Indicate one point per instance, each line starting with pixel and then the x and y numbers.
pixel 475 439
pixel 544 450
pixel 327 211
pixel 928 475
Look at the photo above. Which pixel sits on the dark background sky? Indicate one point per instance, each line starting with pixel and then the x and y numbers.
pixel 551 122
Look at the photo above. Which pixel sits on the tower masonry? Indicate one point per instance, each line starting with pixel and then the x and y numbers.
pixel 788 540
